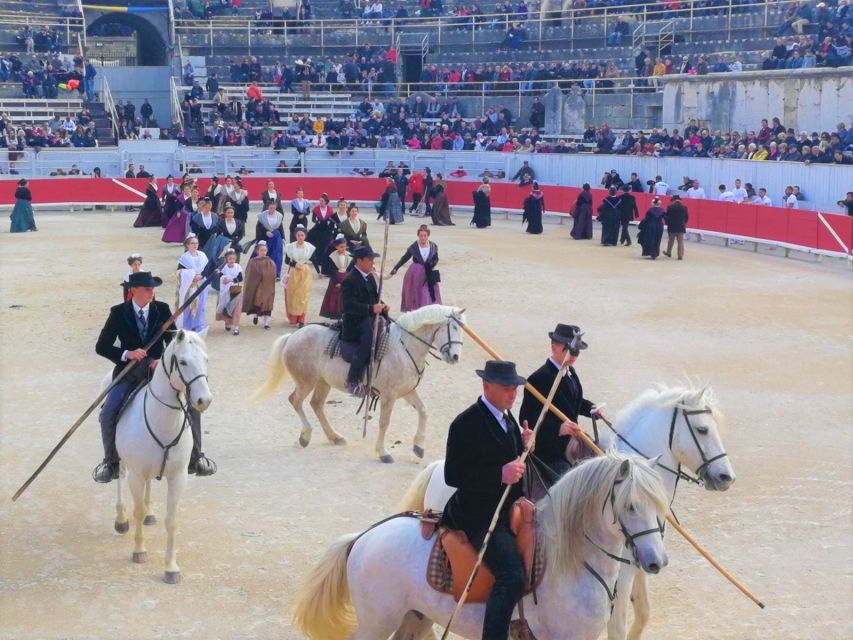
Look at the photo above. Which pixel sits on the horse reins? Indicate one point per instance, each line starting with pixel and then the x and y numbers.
pixel 444 348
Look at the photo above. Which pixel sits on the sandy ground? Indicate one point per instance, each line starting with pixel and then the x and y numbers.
pixel 771 335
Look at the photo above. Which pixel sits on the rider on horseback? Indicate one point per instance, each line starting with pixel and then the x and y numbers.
pixel 134 323
pixel 483 448
pixel 361 305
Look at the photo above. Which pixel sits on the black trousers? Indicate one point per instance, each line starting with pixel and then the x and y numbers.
pixel 625 237
pixel 505 563
pixel 362 355
pixel 416 200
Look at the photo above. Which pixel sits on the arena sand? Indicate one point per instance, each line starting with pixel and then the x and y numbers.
pixel 771 335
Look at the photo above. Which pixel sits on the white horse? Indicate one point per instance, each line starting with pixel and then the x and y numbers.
pixel 679 425
pixel 154 440
pixel 376 581
pixel 412 337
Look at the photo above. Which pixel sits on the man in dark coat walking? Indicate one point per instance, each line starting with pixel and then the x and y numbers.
pixel 676 226
pixel 483 448
pixel 133 324
pixel 361 305
pixel 554 437
pixel 609 215
pixel 628 212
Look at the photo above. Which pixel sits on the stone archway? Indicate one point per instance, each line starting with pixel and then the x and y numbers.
pixel 151 49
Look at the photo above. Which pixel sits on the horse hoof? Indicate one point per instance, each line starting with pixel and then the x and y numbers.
pixel 419 451
pixel 122 527
pixel 149 520
pixel 140 557
pixel 387 458
pixel 340 441
pixel 303 442
pixel 172 577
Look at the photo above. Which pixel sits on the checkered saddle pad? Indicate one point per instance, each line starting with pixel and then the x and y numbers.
pixel 337 348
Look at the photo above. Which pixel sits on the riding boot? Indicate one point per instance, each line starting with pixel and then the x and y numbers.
pixel 200 465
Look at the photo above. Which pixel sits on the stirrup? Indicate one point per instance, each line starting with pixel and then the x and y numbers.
pixel 105 472
pixel 202 466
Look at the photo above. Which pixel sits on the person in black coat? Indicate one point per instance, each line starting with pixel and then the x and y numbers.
pixel 609 215
pixel 534 207
pixel 676 218
pixel 133 324
pixel 483 448
pixel 361 304
pixel 627 212
pixel 651 230
pixel 554 436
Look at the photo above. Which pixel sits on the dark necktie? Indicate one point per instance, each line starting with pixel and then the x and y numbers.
pixel 142 323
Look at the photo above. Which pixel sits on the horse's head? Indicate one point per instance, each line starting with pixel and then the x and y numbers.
pixel 450 338
pixel 638 502
pixel 185 362
pixel 695 439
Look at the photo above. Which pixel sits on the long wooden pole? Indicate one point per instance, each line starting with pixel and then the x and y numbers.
pixel 128 367
pixel 589 442
pixel 527 449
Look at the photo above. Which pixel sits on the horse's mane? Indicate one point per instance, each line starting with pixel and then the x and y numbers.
pixel 663 396
pixel 429 315
pixel 575 502
pixel 190 337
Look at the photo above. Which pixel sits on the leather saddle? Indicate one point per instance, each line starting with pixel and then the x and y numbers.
pixel 338 348
pixel 453 558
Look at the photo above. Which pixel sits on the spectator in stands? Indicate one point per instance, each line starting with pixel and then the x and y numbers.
pixel 189 73
pixel 146 111
pixel 761 198
pixel 620 30
pixel 89 80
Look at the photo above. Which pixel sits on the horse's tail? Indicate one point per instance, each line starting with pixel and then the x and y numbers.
pixel 413 499
pixel 324 610
pixel 277 370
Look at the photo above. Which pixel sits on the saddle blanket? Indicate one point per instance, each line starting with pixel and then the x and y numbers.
pixel 335 346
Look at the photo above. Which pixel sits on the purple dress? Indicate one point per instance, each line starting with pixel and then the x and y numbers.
pixel 178 227
pixel 421 284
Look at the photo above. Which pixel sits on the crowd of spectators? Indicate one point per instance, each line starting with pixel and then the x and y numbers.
pixel 60 132
pixel 39 39
pixel 806 52
pixel 49 75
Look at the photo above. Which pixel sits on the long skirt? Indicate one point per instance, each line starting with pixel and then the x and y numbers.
pixel 415 289
pixel 610 226
pixel 534 220
pixel 228 307
pixel 22 217
pixel 332 306
pixel 193 318
pixel 651 232
pixel 582 228
pixel 297 293
pixel 275 250
pixel 150 215
pixel 178 228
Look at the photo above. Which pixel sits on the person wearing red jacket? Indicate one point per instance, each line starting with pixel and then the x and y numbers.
pixel 254 93
pixel 416 188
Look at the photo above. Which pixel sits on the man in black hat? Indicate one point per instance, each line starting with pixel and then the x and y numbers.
pixel 361 305
pixel 133 324
pixel 483 448
pixel 554 436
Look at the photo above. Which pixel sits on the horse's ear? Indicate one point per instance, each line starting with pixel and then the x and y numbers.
pixel 624 470
pixel 653 462
pixel 181 335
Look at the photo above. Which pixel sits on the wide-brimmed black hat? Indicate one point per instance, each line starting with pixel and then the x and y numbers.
pixel 565 333
pixel 364 252
pixel 143 279
pixel 501 372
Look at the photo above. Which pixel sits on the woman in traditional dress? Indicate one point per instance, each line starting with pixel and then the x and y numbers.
pixel 326 223
pixel 151 213
pixel 354 229
pixel 134 261
pixel 343 205
pixel 230 301
pixel 610 216
pixel 171 204
pixel 272 195
pixel 297 291
pixel 270 227
pixel 336 267
pixel 226 196
pixel 391 205
pixel 214 193
pixel 582 213
pixel 240 200
pixel 300 208
pixel 229 232
pixel 440 207
pixel 482 205
pixel 651 230
pixel 534 207
pixel 22 214
pixel 259 285
pixel 420 286
pixel 203 224
pixel 190 267
pixel 178 226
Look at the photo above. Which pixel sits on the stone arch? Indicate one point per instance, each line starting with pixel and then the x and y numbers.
pixel 151 47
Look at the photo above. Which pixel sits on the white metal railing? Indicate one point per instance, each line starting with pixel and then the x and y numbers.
pixel 83 18
pixel 109 105
pixel 177 112
pixel 171 22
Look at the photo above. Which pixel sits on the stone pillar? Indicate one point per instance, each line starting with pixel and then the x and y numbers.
pixel 553 102
pixel 574 112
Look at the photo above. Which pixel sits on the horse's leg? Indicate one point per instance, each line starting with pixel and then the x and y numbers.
pixel 318 403
pixel 617 626
pixel 640 598
pixel 420 435
pixel 173 495
pixel 150 518
pixel 137 488
pixel 385 406
pixel 121 524
pixel 296 399
pixel 415 626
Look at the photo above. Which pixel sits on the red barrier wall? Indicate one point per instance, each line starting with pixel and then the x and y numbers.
pixel 773 224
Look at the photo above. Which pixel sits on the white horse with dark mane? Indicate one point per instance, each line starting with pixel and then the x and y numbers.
pixel 413 336
pixel 371 585
pixel 679 426
pixel 154 440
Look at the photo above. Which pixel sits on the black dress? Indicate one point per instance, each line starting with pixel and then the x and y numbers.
pixel 321 235
pixel 482 210
pixel 534 207
pixel 150 215
pixel 651 232
pixel 610 216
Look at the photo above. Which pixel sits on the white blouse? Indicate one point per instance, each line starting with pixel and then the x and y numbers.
pixel 299 254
